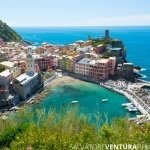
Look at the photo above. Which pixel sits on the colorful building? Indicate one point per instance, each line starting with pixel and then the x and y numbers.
pixel 5 78
pixel 112 65
pixel 30 82
pixel 16 71
pixel 43 63
pixel 62 62
pixel 22 65
pixel 97 69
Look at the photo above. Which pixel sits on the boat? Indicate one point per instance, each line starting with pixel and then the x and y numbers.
pixel 133 109
pixel 74 102
pixel 127 104
pixel 104 100
pixel 15 108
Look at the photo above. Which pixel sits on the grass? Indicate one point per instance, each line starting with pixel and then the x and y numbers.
pixel 67 130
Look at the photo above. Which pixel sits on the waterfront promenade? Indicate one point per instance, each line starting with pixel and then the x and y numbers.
pixel 126 90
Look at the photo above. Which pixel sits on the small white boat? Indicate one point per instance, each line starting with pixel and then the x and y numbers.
pixel 15 108
pixel 127 104
pixel 133 109
pixel 74 102
pixel 104 100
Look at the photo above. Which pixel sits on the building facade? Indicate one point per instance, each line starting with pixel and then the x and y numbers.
pixel 5 79
pixel 16 71
pixel 28 83
pixel 98 69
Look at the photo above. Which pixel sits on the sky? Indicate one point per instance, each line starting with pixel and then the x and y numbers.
pixel 75 12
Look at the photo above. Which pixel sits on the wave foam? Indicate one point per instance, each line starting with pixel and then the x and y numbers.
pixel 144 76
pixel 143 69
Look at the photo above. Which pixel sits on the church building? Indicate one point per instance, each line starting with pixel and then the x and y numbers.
pixel 30 82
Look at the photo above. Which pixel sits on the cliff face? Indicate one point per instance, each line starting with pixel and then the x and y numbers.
pixel 8 34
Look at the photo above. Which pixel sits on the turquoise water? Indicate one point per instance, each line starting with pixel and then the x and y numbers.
pixel 89 98
pixel 136 39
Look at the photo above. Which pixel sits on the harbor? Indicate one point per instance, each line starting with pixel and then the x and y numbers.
pixel 121 86
pixel 127 89
pixel 67 91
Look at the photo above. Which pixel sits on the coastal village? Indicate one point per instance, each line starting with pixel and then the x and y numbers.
pixel 25 70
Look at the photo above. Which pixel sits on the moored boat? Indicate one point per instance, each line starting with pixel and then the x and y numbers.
pixel 74 102
pixel 104 100
pixel 127 104
pixel 133 109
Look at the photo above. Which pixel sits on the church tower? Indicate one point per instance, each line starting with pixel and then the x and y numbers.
pixel 30 62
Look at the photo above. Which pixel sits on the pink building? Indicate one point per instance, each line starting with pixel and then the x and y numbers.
pixel 112 65
pixel 54 61
pixel 99 69
pixel 47 62
pixel 5 78
pixel 43 63
pixel 96 69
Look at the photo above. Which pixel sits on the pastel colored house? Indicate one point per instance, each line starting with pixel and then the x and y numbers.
pixel 12 67
pixel 62 62
pixel 112 65
pixel 98 69
pixel 5 78
pixel 22 64
pixel 43 63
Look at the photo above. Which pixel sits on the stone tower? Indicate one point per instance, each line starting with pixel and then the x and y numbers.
pixel 107 34
pixel 30 62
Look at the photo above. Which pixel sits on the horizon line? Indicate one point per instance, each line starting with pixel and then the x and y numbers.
pixel 83 26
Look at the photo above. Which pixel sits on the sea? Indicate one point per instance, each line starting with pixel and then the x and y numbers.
pixel 137 42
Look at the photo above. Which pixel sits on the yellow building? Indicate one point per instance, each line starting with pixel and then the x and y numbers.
pixel 69 63
pixel 62 62
pixel 16 71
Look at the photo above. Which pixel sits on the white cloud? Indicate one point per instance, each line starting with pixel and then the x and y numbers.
pixel 132 20
pixel 143 19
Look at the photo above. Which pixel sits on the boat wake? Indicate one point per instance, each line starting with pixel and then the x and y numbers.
pixel 143 76
pixel 143 69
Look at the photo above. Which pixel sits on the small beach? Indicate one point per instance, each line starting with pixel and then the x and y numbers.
pixel 61 80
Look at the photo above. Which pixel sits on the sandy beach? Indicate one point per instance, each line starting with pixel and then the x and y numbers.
pixel 61 80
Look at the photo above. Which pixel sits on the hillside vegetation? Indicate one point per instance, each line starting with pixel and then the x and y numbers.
pixel 8 34
pixel 66 131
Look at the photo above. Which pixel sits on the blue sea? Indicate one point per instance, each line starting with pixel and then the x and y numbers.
pixel 136 39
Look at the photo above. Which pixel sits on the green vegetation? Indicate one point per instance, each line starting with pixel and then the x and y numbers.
pixel 66 131
pixel 106 54
pixel 98 41
pixel 2 69
pixel 7 34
